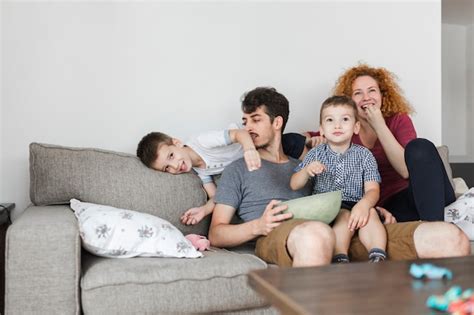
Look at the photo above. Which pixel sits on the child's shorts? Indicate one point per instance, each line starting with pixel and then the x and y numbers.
pixel 348 205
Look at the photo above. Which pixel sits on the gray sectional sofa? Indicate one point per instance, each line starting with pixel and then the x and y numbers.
pixel 47 272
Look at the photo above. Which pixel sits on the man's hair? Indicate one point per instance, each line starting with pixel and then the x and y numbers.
pixel 338 100
pixel 274 104
pixel 148 146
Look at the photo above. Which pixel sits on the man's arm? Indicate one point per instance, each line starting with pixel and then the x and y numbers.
pixel 224 234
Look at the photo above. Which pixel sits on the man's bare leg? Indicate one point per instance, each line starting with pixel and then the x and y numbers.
pixel 440 239
pixel 311 244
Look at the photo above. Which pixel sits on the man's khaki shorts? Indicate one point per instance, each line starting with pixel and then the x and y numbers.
pixel 400 244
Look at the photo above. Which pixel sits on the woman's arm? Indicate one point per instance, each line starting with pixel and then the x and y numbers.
pixel 394 151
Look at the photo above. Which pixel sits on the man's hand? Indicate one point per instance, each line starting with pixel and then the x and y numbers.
pixel 314 141
pixel 272 217
pixel 315 168
pixel 193 216
pixel 252 159
pixel 359 217
pixel 385 216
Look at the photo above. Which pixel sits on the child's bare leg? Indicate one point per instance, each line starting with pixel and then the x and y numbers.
pixel 343 236
pixel 374 237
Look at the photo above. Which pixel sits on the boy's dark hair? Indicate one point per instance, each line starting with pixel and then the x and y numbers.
pixel 148 146
pixel 338 100
pixel 275 104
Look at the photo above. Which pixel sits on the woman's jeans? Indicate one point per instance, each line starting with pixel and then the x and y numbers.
pixel 429 189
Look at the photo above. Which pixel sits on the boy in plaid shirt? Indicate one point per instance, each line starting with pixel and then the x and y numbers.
pixel 351 168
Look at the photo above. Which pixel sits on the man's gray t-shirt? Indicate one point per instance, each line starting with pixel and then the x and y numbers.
pixel 250 192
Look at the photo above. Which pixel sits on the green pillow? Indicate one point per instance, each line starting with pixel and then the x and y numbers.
pixel 320 207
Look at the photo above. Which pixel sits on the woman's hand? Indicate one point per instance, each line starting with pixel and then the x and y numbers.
pixel 374 117
pixel 385 216
pixel 311 142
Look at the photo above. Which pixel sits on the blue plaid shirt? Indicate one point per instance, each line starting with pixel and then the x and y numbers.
pixel 347 171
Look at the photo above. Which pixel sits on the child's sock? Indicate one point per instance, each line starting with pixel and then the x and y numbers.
pixel 377 255
pixel 340 259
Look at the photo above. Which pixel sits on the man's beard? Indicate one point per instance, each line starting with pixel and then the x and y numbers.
pixel 262 146
pixel 269 140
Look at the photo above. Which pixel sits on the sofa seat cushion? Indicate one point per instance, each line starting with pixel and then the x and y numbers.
pixel 216 282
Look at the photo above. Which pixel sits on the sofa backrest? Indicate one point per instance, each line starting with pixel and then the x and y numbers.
pixel 444 154
pixel 59 173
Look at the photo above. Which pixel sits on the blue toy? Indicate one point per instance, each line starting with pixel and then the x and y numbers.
pixel 441 302
pixel 455 301
pixel 430 271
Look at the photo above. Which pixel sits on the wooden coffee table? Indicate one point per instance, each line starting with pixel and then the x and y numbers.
pixel 357 288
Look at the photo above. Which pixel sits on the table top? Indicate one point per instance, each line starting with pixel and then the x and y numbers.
pixel 358 288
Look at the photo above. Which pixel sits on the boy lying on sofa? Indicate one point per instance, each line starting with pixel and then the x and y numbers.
pixel 207 154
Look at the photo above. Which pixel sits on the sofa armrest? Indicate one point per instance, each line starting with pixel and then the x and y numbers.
pixel 43 260
pixel 460 186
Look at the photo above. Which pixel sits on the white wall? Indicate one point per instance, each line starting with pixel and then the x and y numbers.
pixel 457 92
pixel 454 88
pixel 104 74
pixel 470 90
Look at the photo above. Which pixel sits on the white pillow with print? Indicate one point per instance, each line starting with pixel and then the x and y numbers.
pixel 461 213
pixel 119 233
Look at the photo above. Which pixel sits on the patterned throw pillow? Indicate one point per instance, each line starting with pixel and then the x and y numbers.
pixel 461 213
pixel 119 233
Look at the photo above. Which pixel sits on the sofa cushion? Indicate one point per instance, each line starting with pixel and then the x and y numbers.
pixel 58 174
pixel 444 154
pixel 461 213
pixel 216 282
pixel 121 233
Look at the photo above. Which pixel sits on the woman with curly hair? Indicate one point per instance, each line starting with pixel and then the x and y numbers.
pixel 414 185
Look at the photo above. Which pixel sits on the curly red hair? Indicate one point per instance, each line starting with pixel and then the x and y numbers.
pixel 393 100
